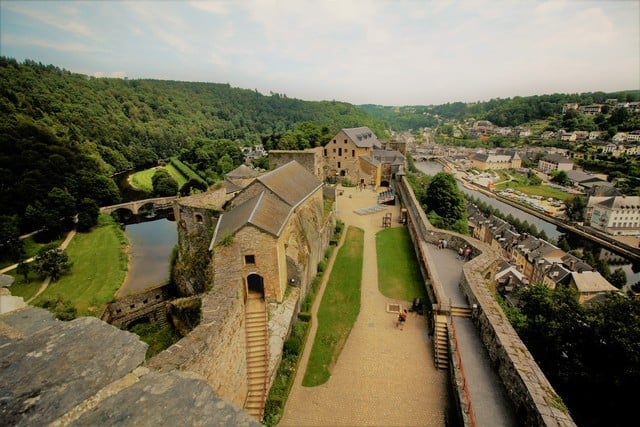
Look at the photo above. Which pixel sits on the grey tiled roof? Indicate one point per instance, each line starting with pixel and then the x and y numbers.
pixel 264 211
pixel 291 182
pixel 363 137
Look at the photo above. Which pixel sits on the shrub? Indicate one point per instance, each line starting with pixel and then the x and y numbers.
pixel 322 266
pixel 304 316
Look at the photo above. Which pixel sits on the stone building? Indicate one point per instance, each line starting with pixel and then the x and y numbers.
pixel 311 159
pixel 349 154
pixel 270 234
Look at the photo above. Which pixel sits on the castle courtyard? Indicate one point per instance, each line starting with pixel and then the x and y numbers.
pixel 384 376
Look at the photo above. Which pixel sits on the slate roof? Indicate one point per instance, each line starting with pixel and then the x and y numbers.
pixel 284 189
pixel 557 159
pixel 363 137
pixel 264 211
pixel 291 182
pixel 243 171
pixel 591 281
pixel 393 157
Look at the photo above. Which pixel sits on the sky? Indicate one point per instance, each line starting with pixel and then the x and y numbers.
pixel 413 52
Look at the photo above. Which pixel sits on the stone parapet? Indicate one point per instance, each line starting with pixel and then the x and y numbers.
pixel 534 398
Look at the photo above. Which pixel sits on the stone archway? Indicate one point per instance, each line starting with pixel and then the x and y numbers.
pixel 255 285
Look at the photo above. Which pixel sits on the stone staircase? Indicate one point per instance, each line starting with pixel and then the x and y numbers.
pixel 441 342
pixel 257 355
pixel 461 311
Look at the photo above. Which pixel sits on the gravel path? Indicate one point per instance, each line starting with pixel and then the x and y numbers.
pixel 384 376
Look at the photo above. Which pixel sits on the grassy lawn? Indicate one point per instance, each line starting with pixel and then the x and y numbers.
pixel 338 310
pixel 22 288
pixel 31 248
pixel 142 180
pixel 399 274
pixel 99 267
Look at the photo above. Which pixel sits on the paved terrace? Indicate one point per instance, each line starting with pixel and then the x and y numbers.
pixel 387 377
pixel 490 403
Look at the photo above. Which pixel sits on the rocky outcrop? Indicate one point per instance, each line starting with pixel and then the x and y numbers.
pixel 87 372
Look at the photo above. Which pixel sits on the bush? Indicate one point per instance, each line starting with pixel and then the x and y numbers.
pixel 322 266
pixel 62 308
pixel 304 316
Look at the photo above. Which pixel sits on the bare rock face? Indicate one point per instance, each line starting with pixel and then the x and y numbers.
pixel 52 369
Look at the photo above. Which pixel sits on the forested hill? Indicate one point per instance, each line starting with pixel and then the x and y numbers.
pixel 502 112
pixel 73 132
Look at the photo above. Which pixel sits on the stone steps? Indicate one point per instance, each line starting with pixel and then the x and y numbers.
pixel 257 356
pixel 461 311
pixel 441 343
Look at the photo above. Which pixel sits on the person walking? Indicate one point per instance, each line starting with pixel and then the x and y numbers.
pixel 402 318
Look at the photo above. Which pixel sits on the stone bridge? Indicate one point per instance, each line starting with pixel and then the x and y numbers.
pixel 141 205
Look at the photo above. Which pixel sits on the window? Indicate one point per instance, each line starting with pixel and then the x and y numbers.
pixel 249 259
pixel 353 153
pixel 334 141
pixel 338 165
pixel 198 218
pixel 345 141
pixel 339 152
pixel 325 152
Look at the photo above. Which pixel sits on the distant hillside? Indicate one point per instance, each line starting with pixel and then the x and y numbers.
pixel 502 112
pixel 67 130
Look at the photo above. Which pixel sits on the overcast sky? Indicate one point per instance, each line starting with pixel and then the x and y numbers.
pixel 370 51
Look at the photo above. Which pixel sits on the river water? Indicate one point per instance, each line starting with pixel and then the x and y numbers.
pixel 552 231
pixel 150 247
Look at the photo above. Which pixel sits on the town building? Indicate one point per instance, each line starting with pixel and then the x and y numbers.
pixel 554 162
pixel 485 161
pixel 618 216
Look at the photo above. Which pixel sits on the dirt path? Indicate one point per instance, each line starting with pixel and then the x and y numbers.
pixel 384 376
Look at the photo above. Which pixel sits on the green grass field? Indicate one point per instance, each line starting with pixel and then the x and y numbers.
pixel 142 180
pixel 338 310
pixel 99 267
pixel 399 274
pixel 545 191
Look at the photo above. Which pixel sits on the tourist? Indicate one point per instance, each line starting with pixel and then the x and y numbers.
pixel 461 252
pixel 467 253
pixel 402 318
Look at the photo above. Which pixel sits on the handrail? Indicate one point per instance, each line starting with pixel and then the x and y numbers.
pixel 465 388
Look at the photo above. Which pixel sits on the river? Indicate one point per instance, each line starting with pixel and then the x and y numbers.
pixel 552 231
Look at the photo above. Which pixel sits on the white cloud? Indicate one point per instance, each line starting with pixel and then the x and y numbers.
pixel 68 20
pixel 12 40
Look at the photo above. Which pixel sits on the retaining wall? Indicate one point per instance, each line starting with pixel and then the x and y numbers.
pixel 534 398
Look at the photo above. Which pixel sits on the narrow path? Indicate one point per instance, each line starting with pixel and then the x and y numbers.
pixel 383 376
pixel 46 281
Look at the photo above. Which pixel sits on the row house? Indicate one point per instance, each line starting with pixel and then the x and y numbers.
pixel 529 260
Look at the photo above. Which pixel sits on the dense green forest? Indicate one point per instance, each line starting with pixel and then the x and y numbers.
pixel 514 111
pixel 67 134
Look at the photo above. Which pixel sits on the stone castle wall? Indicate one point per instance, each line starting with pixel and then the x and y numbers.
pixel 149 303
pixel 311 159
pixel 216 348
pixel 534 398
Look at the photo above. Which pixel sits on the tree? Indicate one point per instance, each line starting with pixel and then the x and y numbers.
pixel 560 177
pixel 445 199
pixel 52 261
pixel 11 247
pixel 618 278
pixel 575 206
pixel 533 178
pixel 88 212
pixel 23 269
pixel 163 184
